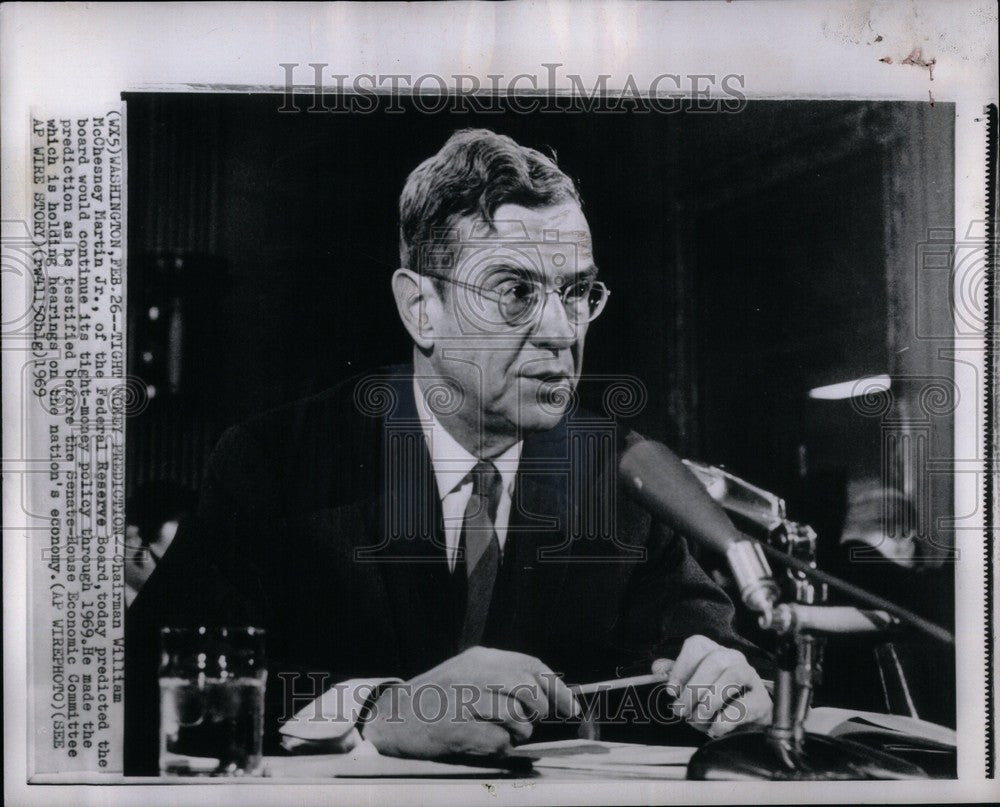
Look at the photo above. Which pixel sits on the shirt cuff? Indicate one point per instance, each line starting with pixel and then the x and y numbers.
pixel 329 723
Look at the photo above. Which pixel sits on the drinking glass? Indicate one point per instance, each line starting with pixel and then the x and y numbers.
pixel 212 683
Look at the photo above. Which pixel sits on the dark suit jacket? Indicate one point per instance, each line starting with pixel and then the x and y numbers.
pixel 320 521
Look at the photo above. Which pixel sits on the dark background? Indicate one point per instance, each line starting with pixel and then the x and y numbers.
pixel 752 257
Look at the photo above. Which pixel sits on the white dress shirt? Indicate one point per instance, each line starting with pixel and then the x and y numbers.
pixel 328 723
pixel 452 465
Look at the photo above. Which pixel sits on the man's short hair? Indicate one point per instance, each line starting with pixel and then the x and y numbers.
pixel 473 174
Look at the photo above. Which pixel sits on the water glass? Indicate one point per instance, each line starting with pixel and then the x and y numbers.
pixel 212 683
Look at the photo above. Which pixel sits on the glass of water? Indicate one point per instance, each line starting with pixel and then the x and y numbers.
pixel 212 701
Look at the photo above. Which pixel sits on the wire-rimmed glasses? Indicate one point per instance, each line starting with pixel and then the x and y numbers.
pixel 520 300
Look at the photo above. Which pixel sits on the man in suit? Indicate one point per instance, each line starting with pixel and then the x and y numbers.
pixel 453 526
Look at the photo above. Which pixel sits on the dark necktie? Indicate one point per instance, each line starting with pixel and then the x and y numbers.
pixel 479 551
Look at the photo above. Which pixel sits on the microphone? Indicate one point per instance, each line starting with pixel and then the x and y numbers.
pixel 659 481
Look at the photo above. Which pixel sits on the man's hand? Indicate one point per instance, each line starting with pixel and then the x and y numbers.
pixel 717 688
pixel 473 703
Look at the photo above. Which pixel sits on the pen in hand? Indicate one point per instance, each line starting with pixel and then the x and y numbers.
pixel 634 675
pixel 628 676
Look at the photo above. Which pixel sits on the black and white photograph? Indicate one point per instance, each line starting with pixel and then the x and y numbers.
pixel 513 434
pixel 362 338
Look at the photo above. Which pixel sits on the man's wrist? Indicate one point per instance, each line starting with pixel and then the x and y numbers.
pixel 375 704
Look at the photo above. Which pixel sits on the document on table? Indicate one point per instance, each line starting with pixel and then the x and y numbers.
pixel 619 759
pixel 365 762
pixel 627 760
pixel 843 722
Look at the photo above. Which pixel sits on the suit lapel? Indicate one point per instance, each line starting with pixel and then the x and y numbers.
pixel 404 526
pixel 560 518
pixel 534 574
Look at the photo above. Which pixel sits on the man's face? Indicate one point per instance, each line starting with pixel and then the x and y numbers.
pixel 514 377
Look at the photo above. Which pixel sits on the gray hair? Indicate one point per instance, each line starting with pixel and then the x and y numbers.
pixel 474 173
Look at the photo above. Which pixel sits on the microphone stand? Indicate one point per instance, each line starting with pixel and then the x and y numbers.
pixel 784 750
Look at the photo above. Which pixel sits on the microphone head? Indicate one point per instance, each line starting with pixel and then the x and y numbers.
pixel 655 476
pixel 660 481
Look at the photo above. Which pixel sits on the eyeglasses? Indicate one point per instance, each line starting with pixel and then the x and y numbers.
pixel 522 300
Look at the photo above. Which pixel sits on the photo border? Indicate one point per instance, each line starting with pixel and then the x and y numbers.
pixel 792 50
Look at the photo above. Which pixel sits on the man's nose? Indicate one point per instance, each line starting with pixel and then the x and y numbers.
pixel 554 328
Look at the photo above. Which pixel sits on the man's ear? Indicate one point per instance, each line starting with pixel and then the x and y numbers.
pixel 413 303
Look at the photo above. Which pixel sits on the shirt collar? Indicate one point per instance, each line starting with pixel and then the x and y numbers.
pixel 451 462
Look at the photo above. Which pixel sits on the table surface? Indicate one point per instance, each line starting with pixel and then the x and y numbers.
pixel 563 761
pixel 569 760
